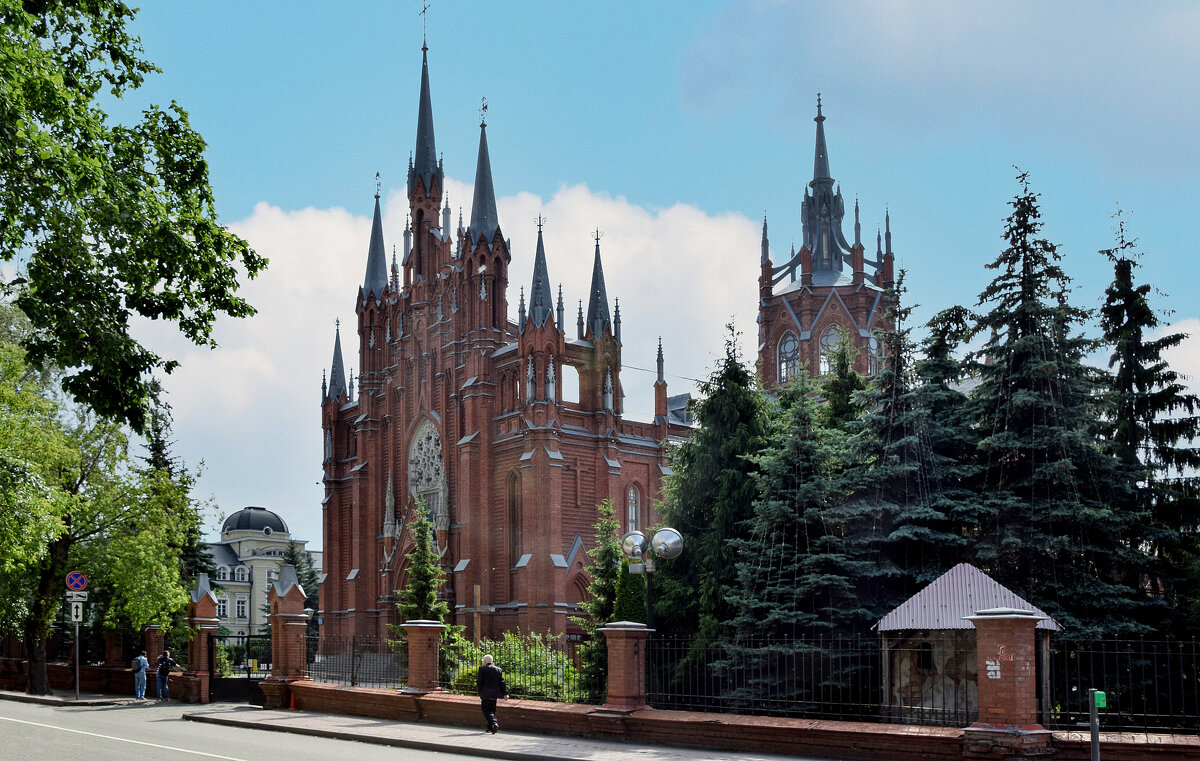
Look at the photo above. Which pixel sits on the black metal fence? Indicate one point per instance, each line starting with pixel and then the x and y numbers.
pixel 535 667
pixel 1152 685
pixel 914 680
pixel 241 655
pixel 357 661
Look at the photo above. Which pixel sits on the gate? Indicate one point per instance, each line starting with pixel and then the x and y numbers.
pixel 237 664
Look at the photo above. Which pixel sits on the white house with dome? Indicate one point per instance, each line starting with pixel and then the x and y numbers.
pixel 247 558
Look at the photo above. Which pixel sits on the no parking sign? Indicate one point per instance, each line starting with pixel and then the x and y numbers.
pixel 76 581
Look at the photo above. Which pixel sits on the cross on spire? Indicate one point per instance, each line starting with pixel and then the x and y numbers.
pixel 424 18
pixel 483 112
pixel 540 221
pixel 377 184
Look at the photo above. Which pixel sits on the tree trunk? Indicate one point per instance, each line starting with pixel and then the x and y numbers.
pixel 45 606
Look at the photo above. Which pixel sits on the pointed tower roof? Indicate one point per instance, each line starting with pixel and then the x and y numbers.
pixel 598 319
pixel 337 375
pixel 821 157
pixel 766 246
pixel 376 278
pixel 540 299
pixel 425 163
pixel 484 219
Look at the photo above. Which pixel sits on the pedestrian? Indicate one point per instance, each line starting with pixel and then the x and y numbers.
pixel 490 683
pixel 139 666
pixel 165 664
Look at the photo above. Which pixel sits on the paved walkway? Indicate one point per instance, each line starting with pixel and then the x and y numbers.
pixel 455 741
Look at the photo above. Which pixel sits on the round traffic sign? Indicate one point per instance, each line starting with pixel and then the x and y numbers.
pixel 76 580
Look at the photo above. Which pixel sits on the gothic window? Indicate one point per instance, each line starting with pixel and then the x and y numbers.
pixel 530 383
pixel 633 507
pixel 222 573
pixel 514 519
pixel 829 344
pixel 789 357
pixel 550 380
pixel 427 474
pixel 874 356
pixel 240 573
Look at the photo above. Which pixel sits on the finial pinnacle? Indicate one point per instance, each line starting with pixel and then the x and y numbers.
pixel 819 106
pixel 596 236
pixel 483 112
pixel 424 36
pixel 540 221
pixel 337 324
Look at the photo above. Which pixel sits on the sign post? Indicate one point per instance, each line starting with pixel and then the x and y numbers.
pixel 76 583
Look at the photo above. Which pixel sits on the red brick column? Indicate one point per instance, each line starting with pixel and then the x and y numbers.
pixel 114 654
pixel 155 642
pixel 423 639
pixel 1007 679
pixel 289 624
pixel 626 665
pixel 202 620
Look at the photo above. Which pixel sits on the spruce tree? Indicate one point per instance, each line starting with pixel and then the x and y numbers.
pixel 842 386
pixel 1048 529
pixel 294 556
pixel 1152 424
pixel 708 497
pixel 419 598
pixel 602 592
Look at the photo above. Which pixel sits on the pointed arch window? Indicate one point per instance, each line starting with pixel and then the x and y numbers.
pixel 633 507
pixel 829 344
pixel 789 357
pixel 514 519
pixel 874 355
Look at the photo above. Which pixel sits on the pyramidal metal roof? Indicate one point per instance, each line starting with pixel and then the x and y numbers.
pixel 957 593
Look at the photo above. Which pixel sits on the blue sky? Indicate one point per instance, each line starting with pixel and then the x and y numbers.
pixel 671 126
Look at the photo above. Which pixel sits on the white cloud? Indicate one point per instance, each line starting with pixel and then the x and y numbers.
pixel 1185 358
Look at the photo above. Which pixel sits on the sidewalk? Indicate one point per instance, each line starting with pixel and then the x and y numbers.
pixel 67 698
pixel 523 746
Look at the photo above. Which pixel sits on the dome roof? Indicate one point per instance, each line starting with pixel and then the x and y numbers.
pixel 254 519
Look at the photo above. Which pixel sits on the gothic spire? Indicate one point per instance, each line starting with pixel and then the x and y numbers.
pixel 598 319
pixel 484 219
pixel 337 374
pixel 766 249
pixel 561 329
pixel 376 278
pixel 887 231
pixel 821 159
pixel 857 225
pixel 660 361
pixel 540 299
pixel 425 163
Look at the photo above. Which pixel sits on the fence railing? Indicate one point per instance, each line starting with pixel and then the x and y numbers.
pixel 357 661
pixel 913 680
pixel 237 655
pixel 1153 685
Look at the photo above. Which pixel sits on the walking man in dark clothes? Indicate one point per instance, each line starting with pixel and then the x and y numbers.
pixel 490 683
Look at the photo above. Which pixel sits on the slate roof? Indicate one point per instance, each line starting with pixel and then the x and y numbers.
pixel 957 593
pixel 254 519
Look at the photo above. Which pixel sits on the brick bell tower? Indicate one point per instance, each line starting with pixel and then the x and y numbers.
pixel 824 291
pixel 505 434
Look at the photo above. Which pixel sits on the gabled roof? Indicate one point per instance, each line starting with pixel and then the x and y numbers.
pixel 957 593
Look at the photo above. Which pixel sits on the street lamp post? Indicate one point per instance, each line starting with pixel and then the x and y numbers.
pixel 666 544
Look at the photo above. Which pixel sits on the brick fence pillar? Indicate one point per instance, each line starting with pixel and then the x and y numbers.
pixel 423 640
pixel 114 653
pixel 289 624
pixel 1007 678
pixel 154 642
pixel 202 620
pixel 626 665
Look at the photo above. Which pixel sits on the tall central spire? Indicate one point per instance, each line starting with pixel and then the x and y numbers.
pixel 597 315
pixel 376 278
pixel 484 219
pixel 425 164
pixel 821 159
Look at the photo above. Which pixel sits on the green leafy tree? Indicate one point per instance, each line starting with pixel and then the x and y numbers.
pixel 709 496
pixel 107 220
pixel 606 559
pixel 1052 527
pixel 1152 425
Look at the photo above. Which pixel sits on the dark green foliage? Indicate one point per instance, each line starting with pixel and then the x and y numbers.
pixel 295 556
pixel 419 599
pixel 709 496
pixel 1152 424
pixel 108 220
pixel 1050 527
pixel 631 596
pixel 602 593
pixel 842 386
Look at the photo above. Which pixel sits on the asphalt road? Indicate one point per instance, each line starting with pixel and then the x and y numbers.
pixel 153 731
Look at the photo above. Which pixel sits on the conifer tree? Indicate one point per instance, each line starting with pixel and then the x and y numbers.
pixel 419 598
pixel 1048 530
pixel 901 526
pixel 1152 423
pixel 294 556
pixel 631 596
pixel 842 386
pixel 602 593
pixel 709 495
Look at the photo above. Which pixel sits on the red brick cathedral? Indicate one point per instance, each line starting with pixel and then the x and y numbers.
pixel 508 433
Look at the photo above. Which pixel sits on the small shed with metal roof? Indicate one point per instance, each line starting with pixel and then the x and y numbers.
pixel 929 654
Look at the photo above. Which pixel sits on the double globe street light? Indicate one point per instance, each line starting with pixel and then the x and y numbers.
pixel 666 544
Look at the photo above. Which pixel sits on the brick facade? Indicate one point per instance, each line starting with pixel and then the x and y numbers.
pixel 473 416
